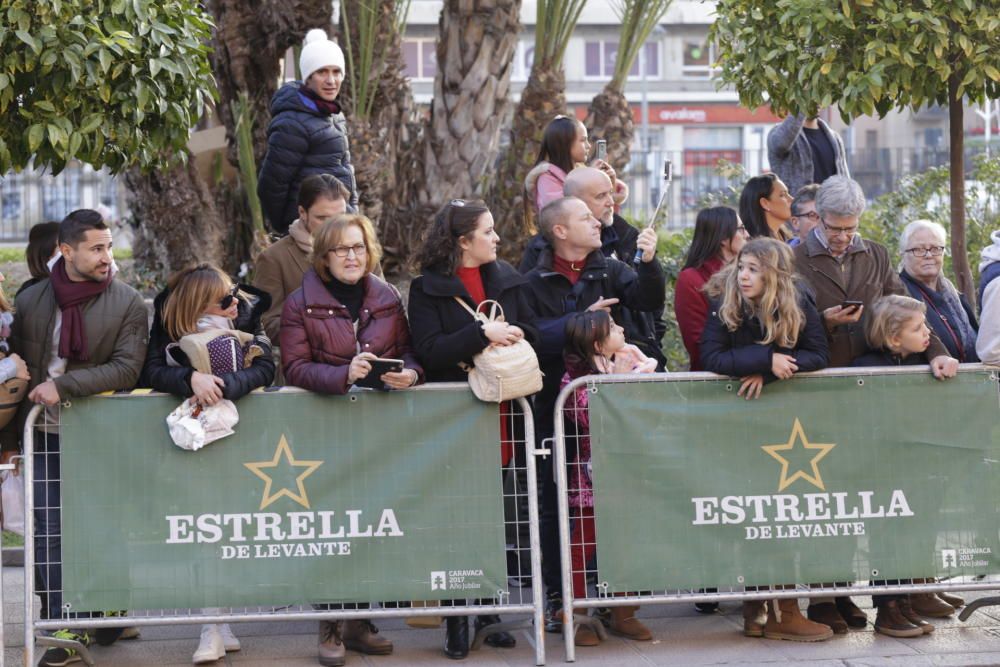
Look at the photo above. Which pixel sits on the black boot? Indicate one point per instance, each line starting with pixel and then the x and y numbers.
pixel 499 639
pixel 456 642
pixel 554 612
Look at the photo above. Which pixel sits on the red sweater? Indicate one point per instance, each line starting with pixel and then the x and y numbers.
pixel 691 305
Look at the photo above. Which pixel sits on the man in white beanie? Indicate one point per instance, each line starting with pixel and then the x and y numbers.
pixel 307 134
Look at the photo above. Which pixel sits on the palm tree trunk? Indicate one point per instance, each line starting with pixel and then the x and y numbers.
pixel 610 118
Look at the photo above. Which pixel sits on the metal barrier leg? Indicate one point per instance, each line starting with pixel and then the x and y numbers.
pixel 531 452
pixel 971 607
pixel 559 462
pixel 66 644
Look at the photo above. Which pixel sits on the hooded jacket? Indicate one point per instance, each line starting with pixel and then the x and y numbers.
pixel 791 157
pixel 159 374
pixel 301 141
pixel 988 340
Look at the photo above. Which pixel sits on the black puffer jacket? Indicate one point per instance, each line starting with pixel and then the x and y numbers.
pixel 156 373
pixel 301 141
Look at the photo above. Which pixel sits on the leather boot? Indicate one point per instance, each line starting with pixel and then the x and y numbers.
pixel 625 624
pixel 332 652
pixel 907 611
pixel 953 600
pixel 456 643
pixel 827 614
pixel 890 621
pixel 793 626
pixel 928 604
pixel 850 612
pixel 585 635
pixel 362 636
pixel 499 639
pixel 754 618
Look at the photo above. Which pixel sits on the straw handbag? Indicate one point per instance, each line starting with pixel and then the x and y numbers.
pixel 502 372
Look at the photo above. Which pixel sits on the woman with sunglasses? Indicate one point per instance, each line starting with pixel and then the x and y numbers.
pixel 459 262
pixel 200 299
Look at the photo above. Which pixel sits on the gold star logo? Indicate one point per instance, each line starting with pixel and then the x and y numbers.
pixel 285 451
pixel 822 450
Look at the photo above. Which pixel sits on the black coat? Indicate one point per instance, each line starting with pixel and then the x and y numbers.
pixel 553 299
pixel 160 376
pixel 444 334
pixel 301 141
pixel 737 353
pixel 887 358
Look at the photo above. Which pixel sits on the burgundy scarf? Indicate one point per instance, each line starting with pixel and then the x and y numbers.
pixel 325 107
pixel 70 296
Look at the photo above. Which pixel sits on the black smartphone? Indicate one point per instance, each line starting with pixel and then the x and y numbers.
pixel 380 366
pixel 851 305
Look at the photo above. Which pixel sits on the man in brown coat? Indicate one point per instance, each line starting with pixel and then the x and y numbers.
pixel 841 267
pixel 81 332
pixel 280 267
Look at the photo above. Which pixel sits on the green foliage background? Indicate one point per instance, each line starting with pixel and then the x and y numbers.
pixel 112 83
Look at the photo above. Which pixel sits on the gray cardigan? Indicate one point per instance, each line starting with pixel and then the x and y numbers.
pixel 790 156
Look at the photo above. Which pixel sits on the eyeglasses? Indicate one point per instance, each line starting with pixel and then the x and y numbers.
pixel 837 231
pixel 345 250
pixel 812 215
pixel 227 301
pixel 933 251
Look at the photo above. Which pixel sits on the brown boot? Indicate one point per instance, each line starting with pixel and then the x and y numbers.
pixel 907 611
pixel 331 649
pixel 793 626
pixel 953 600
pixel 585 635
pixel 362 636
pixel 827 614
pixel 625 624
pixel 754 618
pixel 890 621
pixel 928 604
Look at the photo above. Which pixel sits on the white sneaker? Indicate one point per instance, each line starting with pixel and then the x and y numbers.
pixel 229 640
pixel 211 646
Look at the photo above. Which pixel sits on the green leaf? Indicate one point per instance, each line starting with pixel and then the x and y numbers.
pixel 75 141
pixel 92 122
pixel 36 134
pixel 26 37
pixel 105 59
pixel 45 105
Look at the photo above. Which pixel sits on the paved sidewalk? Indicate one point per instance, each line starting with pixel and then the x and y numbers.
pixel 683 637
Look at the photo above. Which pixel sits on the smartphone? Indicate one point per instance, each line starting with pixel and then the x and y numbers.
pixel 851 305
pixel 602 149
pixel 379 366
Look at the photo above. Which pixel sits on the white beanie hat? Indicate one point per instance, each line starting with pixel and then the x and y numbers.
pixel 318 52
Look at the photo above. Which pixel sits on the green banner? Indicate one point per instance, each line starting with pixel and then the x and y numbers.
pixel 821 479
pixel 365 497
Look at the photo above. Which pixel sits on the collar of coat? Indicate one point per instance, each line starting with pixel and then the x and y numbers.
pixel 379 295
pixel 497 277
pixel 814 246
pixel 596 261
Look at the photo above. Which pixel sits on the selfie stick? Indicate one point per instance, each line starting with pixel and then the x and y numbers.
pixel 668 178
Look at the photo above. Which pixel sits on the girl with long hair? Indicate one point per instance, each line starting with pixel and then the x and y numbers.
pixel 719 235
pixel 766 207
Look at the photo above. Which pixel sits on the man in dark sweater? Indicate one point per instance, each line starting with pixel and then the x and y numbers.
pixel 804 150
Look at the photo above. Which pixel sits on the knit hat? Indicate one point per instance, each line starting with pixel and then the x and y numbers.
pixel 318 52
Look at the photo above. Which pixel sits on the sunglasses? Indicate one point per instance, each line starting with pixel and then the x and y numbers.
pixel 228 300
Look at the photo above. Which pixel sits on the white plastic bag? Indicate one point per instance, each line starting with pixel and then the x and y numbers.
pixel 192 426
pixel 12 502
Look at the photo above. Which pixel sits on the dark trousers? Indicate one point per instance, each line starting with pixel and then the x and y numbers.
pixel 548 528
pixel 48 531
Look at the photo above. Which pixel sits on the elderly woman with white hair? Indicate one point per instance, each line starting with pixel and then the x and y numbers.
pixel 922 246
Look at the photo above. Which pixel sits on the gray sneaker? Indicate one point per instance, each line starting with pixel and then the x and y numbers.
pixel 332 652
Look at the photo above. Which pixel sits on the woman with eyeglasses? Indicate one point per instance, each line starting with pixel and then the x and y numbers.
pixel 719 235
pixel 766 207
pixel 198 303
pixel 459 262
pixel 949 315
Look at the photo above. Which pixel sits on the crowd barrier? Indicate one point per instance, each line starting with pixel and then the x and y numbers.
pixel 868 478
pixel 368 505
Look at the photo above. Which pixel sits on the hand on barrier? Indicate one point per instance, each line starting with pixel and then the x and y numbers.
pixel 360 368
pixel 602 304
pixel 45 393
pixel 751 387
pixel 401 380
pixel 22 368
pixel 944 367
pixel 783 366
pixel 207 388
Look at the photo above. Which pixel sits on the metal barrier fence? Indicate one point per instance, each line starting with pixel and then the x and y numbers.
pixel 46 472
pixel 659 411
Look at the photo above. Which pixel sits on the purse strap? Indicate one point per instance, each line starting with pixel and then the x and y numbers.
pixel 479 315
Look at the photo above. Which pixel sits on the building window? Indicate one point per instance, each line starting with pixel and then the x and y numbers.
pixel 698 59
pixel 600 60
pixel 524 59
pixel 420 58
